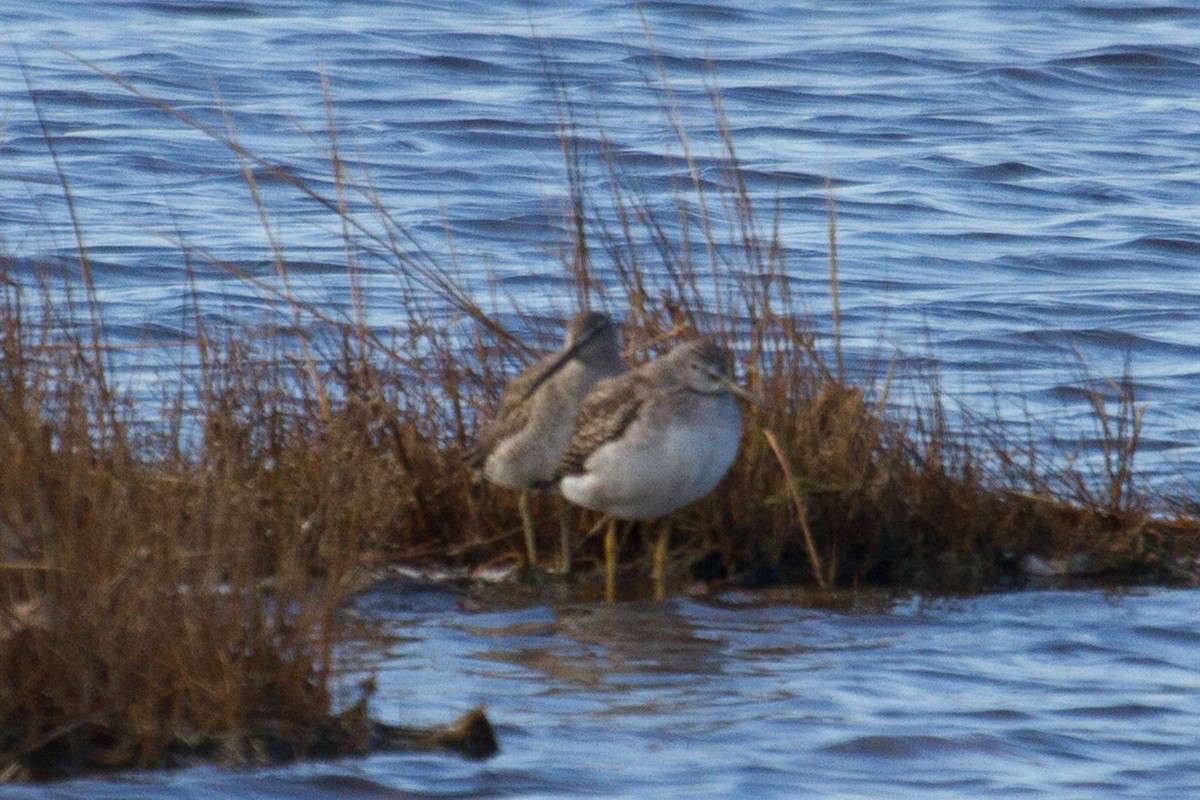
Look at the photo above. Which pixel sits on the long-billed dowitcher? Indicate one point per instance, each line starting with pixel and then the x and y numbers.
pixel 653 440
pixel 521 447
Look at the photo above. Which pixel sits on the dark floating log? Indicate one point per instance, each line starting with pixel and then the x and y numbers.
pixel 90 747
pixel 470 735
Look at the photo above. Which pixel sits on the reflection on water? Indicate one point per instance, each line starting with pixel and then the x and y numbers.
pixel 1039 694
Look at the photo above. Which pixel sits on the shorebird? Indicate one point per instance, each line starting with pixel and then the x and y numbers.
pixel 653 440
pixel 521 447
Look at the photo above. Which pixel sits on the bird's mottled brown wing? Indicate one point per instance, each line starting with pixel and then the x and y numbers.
pixel 507 422
pixel 605 414
pixel 512 413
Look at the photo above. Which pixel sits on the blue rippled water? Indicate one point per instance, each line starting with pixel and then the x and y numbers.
pixel 1036 695
pixel 1018 183
pixel 1018 191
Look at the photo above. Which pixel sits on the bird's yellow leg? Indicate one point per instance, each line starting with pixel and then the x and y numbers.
pixel 610 560
pixel 527 527
pixel 564 540
pixel 658 572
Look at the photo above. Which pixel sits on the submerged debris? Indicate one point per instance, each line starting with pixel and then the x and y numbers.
pixel 95 746
pixel 470 735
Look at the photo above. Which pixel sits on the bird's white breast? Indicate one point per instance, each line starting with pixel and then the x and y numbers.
pixel 662 462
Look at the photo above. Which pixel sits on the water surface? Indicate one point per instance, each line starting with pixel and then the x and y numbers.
pixel 1018 182
pixel 1051 694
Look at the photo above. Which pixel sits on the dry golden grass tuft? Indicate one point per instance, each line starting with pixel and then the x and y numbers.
pixel 155 610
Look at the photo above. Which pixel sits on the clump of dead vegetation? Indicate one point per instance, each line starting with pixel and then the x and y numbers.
pixel 177 593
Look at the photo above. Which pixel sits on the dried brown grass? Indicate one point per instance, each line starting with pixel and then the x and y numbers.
pixel 154 609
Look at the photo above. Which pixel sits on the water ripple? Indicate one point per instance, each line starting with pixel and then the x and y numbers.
pixel 969 179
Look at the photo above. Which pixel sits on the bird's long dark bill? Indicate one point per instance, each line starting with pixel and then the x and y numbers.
pixel 749 397
pixel 558 363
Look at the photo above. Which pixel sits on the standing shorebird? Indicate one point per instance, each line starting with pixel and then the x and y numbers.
pixel 521 447
pixel 653 440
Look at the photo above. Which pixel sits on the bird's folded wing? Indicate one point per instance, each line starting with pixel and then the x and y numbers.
pixel 604 416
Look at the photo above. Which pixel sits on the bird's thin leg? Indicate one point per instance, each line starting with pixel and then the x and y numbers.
pixel 527 527
pixel 610 560
pixel 564 540
pixel 658 572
